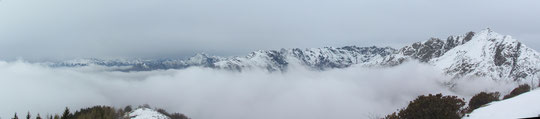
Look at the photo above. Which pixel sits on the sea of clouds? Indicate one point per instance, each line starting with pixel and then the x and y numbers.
pixel 203 93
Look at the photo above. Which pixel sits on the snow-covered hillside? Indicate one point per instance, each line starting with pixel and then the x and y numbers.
pixel 482 54
pixel 146 113
pixel 522 106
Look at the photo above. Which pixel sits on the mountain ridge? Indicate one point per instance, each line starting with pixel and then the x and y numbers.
pixel 474 54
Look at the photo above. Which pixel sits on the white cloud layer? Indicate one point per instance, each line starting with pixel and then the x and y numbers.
pixel 203 93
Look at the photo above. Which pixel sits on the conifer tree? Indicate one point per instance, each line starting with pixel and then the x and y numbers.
pixel 38 116
pixel 66 114
pixel 28 115
pixel 15 117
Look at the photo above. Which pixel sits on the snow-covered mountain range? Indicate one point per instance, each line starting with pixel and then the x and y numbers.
pixel 474 54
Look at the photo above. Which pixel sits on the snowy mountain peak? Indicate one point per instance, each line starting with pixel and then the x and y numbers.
pixel 492 55
pixel 486 30
pixel 202 59
pixel 490 35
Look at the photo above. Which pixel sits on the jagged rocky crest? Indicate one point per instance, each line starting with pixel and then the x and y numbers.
pixel 481 54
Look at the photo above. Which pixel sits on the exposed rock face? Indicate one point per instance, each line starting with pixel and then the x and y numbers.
pixel 482 54
pixel 433 48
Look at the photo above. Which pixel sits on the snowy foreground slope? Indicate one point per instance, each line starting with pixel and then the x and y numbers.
pixel 523 106
pixel 146 113
pixel 475 54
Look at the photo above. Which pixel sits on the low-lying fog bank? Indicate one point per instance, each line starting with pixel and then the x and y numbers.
pixel 203 93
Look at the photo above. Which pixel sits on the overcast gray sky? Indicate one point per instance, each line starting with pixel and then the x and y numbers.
pixel 177 28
